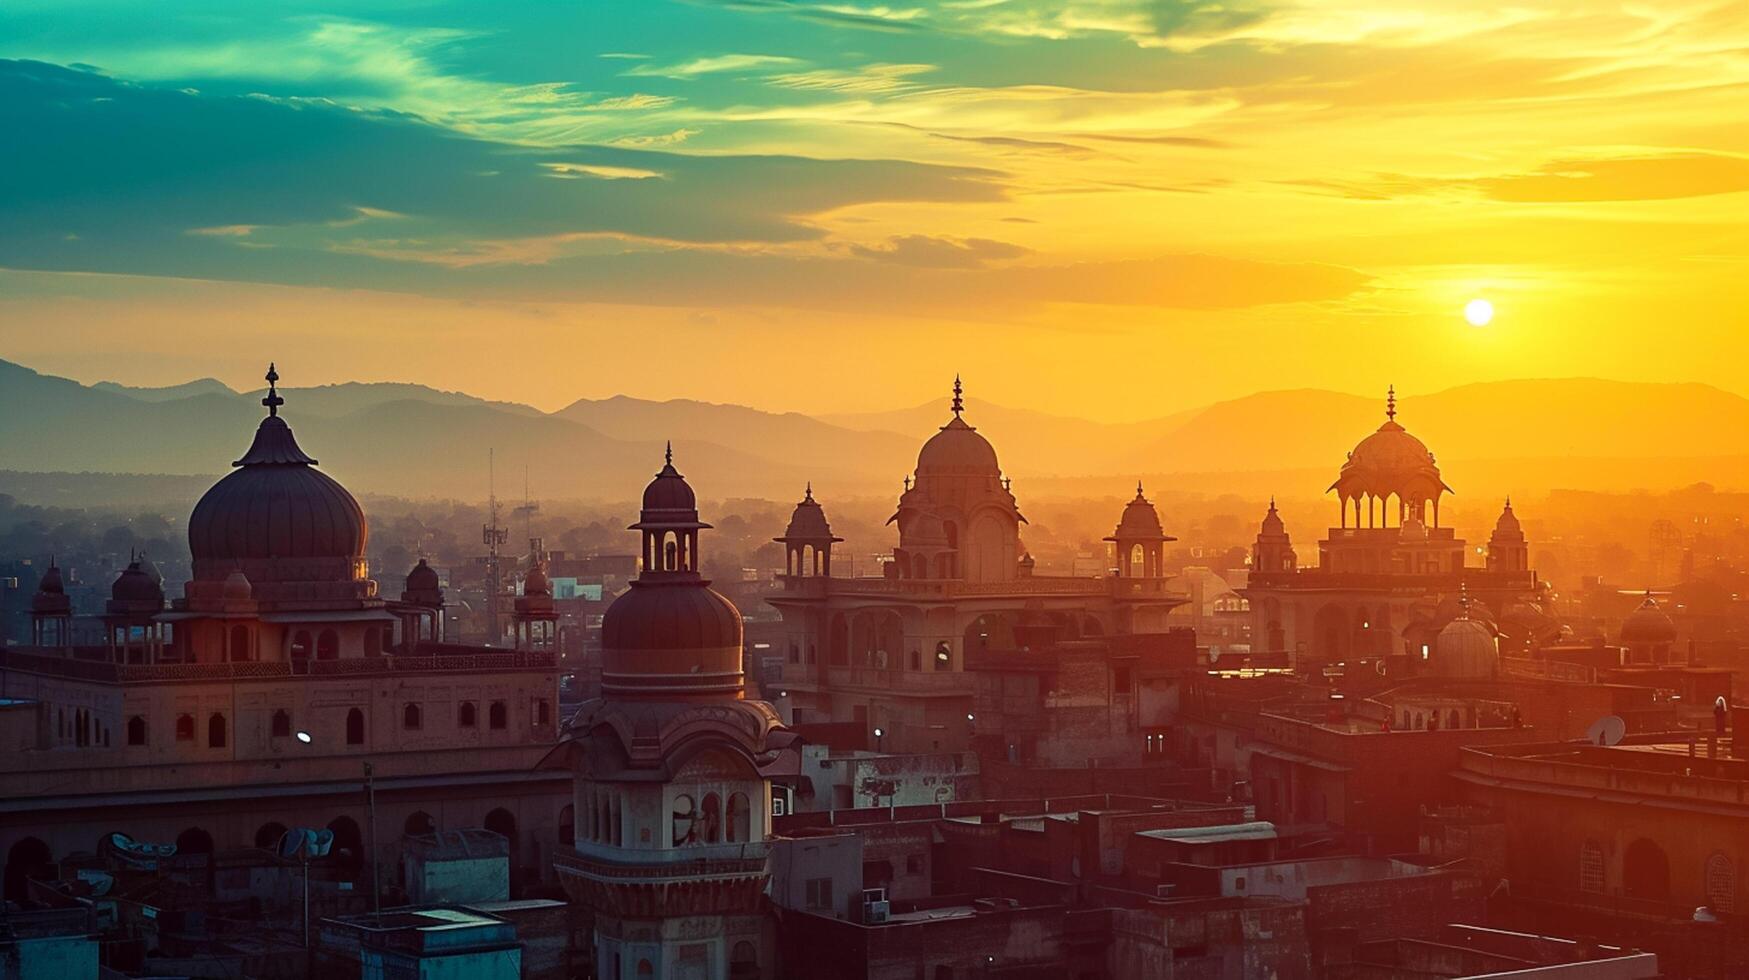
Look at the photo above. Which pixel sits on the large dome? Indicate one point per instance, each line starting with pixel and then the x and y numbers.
pixel 1390 461
pixel 1466 648
pixel 279 519
pixel 957 448
pixel 671 637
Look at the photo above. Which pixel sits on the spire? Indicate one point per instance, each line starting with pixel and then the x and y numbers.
pixel 959 404
pixel 1391 403
pixel 1138 488
pixel 272 401
pixel 809 495
pixel 668 454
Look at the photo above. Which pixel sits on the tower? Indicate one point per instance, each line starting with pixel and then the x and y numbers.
pixel 424 593
pixel 1139 543
pixel 808 540
pixel 51 612
pixel 1274 550
pixel 1507 549
pixel 673 806
pixel 535 620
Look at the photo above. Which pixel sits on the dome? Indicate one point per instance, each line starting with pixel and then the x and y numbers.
pixel 1140 519
pixel 535 582
pixel 1466 648
pixel 237 587
pixel 1390 461
pixel 277 506
pixel 669 490
pixel 1272 523
pixel 671 637
pixel 957 448
pixel 52 583
pixel 51 594
pixel 1648 624
pixel 1507 525
pixel 134 585
pixel 423 578
pixel 808 521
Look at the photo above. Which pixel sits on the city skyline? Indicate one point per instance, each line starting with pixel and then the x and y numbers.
pixel 807 186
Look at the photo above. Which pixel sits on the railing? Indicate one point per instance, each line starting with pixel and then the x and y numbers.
pixel 819 586
pixel 1573 766
pixel 1315 578
pixel 107 672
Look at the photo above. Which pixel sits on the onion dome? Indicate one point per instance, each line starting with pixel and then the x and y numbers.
pixel 808 521
pixel 277 515
pixel 670 636
pixel 958 449
pixel 423 578
pixel 669 491
pixel 237 587
pixel 51 594
pixel 1390 461
pixel 1140 522
pixel 1466 648
pixel 535 582
pixel 1648 624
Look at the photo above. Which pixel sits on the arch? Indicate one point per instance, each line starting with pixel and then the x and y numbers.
pixel 1330 632
pixel 1455 720
pixel 568 825
pixel 876 637
pixel 468 715
pixel 136 730
pixel 268 834
pixel 744 962
pixel 348 842
pixel 710 818
pixel 239 643
pixel 355 727
pixel 328 645
pixel 499 821
pixel 194 840
pixel 217 731
pixel 683 828
pixel 29 857
pixel 736 826
pixel 301 646
pixel 1720 880
pixel 185 728
pixel 645 969
pixel 1645 871
pixel 281 727
pixel 418 824
pixel 498 716
pixel 412 716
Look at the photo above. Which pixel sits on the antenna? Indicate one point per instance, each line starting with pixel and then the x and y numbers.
pixel 1608 730
pixel 493 536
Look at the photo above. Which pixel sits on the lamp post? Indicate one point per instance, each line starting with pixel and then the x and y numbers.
pixel 880 735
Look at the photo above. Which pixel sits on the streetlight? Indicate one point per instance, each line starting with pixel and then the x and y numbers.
pixel 305 738
pixel 879 734
pixel 370 806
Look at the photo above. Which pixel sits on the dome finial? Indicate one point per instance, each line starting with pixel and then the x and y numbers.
pixel 809 494
pixel 272 401
pixel 1138 488
pixel 959 404
pixel 668 454
pixel 1391 403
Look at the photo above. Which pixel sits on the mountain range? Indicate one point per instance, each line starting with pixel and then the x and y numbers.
pixel 414 441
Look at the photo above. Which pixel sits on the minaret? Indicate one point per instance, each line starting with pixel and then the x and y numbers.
pixel 672 801
pixel 1507 549
pixel 51 612
pixel 1139 541
pixel 808 540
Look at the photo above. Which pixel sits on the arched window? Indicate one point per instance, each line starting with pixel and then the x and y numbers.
pixel 355 727
pixel 543 712
pixel 1591 873
pixel 300 648
pixel 328 645
pixel 419 823
pixel 411 717
pixel 498 716
pixel 468 715
pixel 1645 871
pixel 136 730
pixel 737 825
pixel 215 732
pixel 685 825
pixel 281 724
pixel 80 728
pixel 710 818
pixel 644 967
pixel 267 837
pixel 239 643
pixel 185 728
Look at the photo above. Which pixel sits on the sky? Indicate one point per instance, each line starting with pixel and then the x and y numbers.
pixel 1102 208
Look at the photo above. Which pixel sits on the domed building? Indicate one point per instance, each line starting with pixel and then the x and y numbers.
pixel 534 618
pixel 1389 551
pixel 1466 648
pixel 1648 634
pixel 131 617
pixel 51 611
pixel 903 652
pixel 672 799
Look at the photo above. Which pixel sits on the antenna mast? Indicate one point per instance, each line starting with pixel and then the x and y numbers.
pixel 493 536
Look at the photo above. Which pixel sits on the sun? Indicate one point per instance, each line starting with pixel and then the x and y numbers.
pixel 1479 312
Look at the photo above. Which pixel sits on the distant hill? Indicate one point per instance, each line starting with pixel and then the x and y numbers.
pixel 414 441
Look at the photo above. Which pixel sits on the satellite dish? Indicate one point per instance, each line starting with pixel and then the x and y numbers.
pixel 291 843
pixel 320 842
pixel 1606 731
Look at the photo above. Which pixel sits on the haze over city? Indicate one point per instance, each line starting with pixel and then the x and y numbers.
pixel 928 490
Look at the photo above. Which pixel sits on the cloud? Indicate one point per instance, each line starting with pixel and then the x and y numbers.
pixel 1652 177
pixel 876 79
pixel 713 65
pixel 940 253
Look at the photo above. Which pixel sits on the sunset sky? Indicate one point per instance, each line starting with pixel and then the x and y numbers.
pixel 1107 209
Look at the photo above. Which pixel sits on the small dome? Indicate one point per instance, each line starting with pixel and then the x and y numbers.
pixel 237 587
pixel 1466 648
pixel 669 491
pixel 134 585
pixel 958 449
pixel 1272 522
pixel 1140 519
pixel 1508 524
pixel 52 583
pixel 808 521
pixel 535 582
pixel 1648 624
pixel 423 578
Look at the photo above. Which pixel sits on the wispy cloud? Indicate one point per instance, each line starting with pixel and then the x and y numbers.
pixel 714 65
